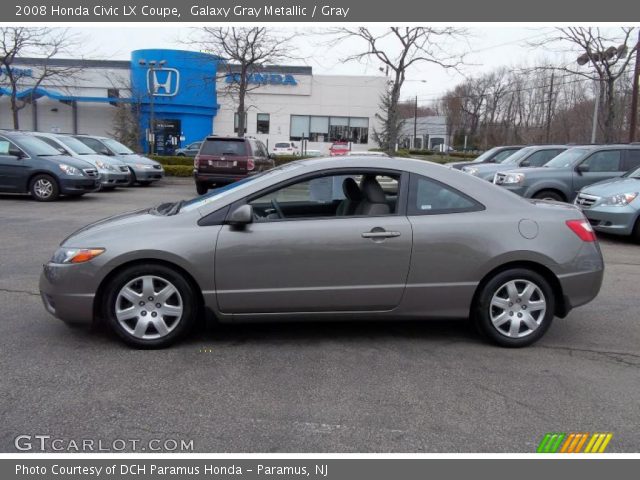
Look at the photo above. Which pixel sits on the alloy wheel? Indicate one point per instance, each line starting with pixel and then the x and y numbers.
pixel 43 188
pixel 149 307
pixel 517 308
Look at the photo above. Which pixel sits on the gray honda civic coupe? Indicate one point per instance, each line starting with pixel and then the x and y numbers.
pixel 349 238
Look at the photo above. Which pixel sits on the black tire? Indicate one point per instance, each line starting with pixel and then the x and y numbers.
pixel 483 308
pixel 132 178
pixel 146 183
pixel 549 195
pixel 635 235
pixel 202 188
pixel 178 326
pixel 44 183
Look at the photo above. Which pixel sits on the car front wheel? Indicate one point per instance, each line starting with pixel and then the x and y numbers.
pixel 549 195
pixel 515 307
pixel 44 188
pixel 149 306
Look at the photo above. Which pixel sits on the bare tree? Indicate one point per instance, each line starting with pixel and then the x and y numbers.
pixel 607 54
pixel 44 43
pixel 247 49
pixel 398 49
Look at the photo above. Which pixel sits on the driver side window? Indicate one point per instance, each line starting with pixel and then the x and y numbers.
pixel 605 161
pixel 344 195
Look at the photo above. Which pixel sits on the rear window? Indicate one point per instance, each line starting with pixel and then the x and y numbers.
pixel 283 145
pixel 224 147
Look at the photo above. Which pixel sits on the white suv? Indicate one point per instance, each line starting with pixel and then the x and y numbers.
pixel 285 148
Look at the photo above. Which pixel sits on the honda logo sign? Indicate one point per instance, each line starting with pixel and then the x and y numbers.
pixel 163 82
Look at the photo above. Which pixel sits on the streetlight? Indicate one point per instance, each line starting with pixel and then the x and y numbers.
pixel 151 140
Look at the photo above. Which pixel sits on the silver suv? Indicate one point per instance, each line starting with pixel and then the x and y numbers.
pixel 562 178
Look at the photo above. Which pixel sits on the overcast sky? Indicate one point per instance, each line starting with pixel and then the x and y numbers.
pixel 486 48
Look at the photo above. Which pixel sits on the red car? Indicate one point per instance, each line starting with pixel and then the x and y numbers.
pixel 338 148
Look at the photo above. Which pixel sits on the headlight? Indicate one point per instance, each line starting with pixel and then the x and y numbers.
pixel 619 200
pixel 69 170
pixel 75 255
pixel 103 166
pixel 513 178
pixel 471 170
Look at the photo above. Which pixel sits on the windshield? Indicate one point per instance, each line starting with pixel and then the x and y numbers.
pixel 566 158
pixel 222 192
pixel 76 146
pixel 517 156
pixel 117 147
pixel 635 173
pixel 35 146
pixel 485 155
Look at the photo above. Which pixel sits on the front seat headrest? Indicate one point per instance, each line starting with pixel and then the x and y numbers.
pixel 373 191
pixel 351 189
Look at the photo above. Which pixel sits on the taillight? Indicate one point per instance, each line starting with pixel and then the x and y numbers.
pixel 582 228
pixel 196 162
pixel 251 164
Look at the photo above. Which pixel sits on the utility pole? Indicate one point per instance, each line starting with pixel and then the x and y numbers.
pixel 594 127
pixel 549 108
pixel 415 122
pixel 633 114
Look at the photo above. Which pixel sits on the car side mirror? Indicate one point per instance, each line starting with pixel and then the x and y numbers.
pixel 242 215
pixel 104 151
pixel 582 168
pixel 525 163
pixel 16 152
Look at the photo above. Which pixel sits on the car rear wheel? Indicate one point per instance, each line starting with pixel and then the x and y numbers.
pixel 44 188
pixel 149 306
pixel 549 195
pixel 202 188
pixel 515 308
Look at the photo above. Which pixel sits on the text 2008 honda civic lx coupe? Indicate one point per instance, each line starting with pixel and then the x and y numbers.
pixel 344 238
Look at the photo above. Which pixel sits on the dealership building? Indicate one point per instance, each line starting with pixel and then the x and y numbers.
pixel 190 95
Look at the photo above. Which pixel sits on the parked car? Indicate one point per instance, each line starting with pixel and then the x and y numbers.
pixel 112 171
pixel 223 160
pixel 29 165
pixel 190 150
pixel 561 178
pixel 286 244
pixel 339 148
pixel 494 155
pixel 286 148
pixel 144 171
pixel 613 206
pixel 533 156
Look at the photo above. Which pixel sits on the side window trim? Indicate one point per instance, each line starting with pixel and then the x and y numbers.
pixel 413 211
pixel 401 203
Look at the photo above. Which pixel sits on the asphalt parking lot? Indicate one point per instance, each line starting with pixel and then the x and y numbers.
pixel 356 387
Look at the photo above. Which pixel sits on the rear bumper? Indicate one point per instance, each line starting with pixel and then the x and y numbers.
pixel 615 220
pixel 218 178
pixel 75 186
pixel 580 288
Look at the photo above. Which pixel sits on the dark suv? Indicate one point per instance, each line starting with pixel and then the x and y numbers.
pixel 224 160
pixel 29 165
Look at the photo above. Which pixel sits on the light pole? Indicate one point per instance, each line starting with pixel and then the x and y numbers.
pixel 151 139
pixel 633 114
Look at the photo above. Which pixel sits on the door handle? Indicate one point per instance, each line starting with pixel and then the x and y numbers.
pixel 380 234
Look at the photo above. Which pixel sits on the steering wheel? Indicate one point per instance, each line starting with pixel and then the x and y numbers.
pixel 277 208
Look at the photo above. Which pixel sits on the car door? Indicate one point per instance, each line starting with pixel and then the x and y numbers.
pixel 13 167
pixel 631 159
pixel 313 263
pixel 601 165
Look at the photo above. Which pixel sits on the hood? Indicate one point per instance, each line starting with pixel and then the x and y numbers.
pixel 459 165
pixel 68 160
pixel 120 221
pixel 93 158
pixel 135 158
pixel 527 170
pixel 615 186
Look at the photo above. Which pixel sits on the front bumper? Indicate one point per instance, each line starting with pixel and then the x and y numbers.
pixel 79 185
pixel 66 291
pixel 517 189
pixel 615 220
pixel 109 178
pixel 148 174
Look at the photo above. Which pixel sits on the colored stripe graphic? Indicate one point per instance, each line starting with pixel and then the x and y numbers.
pixel 574 442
